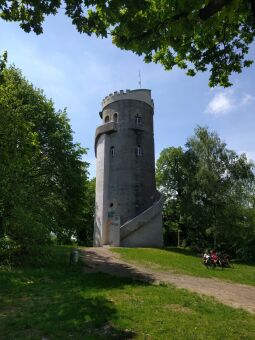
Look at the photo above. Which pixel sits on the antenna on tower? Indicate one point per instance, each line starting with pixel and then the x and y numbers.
pixel 140 79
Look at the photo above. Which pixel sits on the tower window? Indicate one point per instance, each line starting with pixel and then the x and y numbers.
pixel 112 151
pixel 138 120
pixel 115 117
pixel 138 151
pixel 106 120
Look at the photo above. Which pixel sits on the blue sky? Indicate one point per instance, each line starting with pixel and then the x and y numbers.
pixel 78 71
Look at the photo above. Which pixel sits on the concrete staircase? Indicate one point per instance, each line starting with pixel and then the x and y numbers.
pixel 144 228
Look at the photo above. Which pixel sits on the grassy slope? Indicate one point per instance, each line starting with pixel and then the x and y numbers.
pixel 185 262
pixel 59 302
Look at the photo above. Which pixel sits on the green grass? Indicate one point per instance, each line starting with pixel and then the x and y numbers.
pixel 62 302
pixel 184 261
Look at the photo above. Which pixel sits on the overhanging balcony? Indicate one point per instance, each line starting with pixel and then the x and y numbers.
pixel 105 128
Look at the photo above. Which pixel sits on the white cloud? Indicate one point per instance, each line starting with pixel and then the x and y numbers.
pixel 224 102
pixel 221 103
pixel 247 99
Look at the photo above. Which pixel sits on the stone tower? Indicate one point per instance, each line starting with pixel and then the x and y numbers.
pixel 128 207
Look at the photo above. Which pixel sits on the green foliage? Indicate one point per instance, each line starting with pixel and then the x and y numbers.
pixel 85 231
pixel 8 248
pixel 43 180
pixel 193 35
pixel 3 61
pixel 209 193
pixel 61 302
pixel 185 261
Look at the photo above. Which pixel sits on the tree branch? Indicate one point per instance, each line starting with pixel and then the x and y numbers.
pixel 252 2
pixel 205 13
pixel 212 8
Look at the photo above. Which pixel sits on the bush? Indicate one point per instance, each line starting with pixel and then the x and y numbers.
pixel 8 249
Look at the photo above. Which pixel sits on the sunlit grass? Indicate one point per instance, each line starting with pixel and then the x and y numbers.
pixel 61 302
pixel 186 262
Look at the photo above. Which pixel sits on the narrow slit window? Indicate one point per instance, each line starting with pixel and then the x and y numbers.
pixel 106 120
pixel 138 151
pixel 115 117
pixel 112 151
pixel 138 120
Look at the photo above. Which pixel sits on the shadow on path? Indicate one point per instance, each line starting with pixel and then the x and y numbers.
pixel 96 260
pixel 101 259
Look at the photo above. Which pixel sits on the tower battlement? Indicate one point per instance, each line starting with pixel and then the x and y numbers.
pixel 143 95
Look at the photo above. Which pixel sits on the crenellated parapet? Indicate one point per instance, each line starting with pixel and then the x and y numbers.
pixel 143 95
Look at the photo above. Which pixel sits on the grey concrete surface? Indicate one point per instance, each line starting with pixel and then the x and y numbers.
pixel 125 179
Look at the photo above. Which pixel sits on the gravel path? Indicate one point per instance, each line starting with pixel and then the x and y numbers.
pixel 231 294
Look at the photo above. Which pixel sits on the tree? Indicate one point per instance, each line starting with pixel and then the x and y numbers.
pixel 222 180
pixel 209 192
pixel 194 35
pixel 3 61
pixel 84 232
pixel 174 177
pixel 43 180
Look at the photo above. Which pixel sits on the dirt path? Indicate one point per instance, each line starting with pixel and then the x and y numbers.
pixel 234 295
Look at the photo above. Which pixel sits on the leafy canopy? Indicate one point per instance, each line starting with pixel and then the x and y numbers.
pixel 44 187
pixel 209 194
pixel 196 35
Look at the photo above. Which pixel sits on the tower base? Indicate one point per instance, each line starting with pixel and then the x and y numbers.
pixel 145 230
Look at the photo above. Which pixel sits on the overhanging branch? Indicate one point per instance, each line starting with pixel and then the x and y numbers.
pixel 212 8
pixel 204 13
